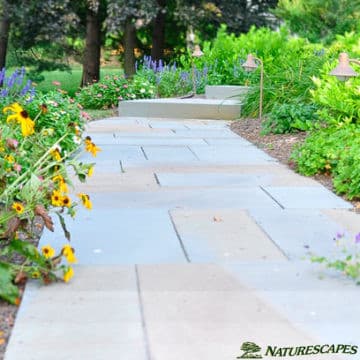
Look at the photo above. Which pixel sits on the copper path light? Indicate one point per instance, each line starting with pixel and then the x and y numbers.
pixel 343 71
pixel 251 64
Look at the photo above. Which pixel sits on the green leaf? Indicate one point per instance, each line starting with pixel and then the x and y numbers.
pixel 26 249
pixel 30 191
pixel 8 291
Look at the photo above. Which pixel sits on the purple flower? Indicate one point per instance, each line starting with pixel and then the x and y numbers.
pixel 340 235
pixel 357 238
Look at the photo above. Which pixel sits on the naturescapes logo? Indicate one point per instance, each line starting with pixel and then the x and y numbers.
pixel 250 350
pixel 253 351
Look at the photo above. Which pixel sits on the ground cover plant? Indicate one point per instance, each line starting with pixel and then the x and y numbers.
pixel 39 138
pixel 346 257
pixel 114 88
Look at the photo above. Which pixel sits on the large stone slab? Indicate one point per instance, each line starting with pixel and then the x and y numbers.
pixel 201 312
pixel 158 141
pixel 115 153
pixel 221 235
pixel 238 141
pixel 320 302
pixel 206 133
pixel 167 125
pixel 306 197
pixel 197 108
pixel 196 124
pixel 113 182
pixel 298 231
pixel 220 198
pixel 169 154
pixel 211 179
pixel 230 154
pixel 114 235
pixel 226 91
pixel 96 316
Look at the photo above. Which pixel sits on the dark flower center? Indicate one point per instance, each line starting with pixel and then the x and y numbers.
pixel 24 114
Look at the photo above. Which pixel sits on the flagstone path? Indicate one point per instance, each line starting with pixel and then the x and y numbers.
pixel 197 243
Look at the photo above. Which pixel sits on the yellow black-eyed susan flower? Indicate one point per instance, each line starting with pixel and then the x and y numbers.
pixel 69 253
pixel 22 117
pixel 85 199
pixel 48 251
pixel 18 207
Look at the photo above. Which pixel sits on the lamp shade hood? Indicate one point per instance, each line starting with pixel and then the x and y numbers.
pixel 250 63
pixel 197 51
pixel 343 70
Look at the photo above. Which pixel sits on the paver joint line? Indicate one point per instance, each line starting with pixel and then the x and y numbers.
pixel 144 153
pixel 157 179
pixel 121 167
pixel 269 237
pixel 268 194
pixel 142 314
pixel 187 257
pixel 193 152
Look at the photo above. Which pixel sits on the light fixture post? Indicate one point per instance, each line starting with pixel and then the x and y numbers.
pixel 251 64
pixel 196 54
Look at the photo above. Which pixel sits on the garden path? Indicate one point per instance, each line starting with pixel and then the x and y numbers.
pixel 195 245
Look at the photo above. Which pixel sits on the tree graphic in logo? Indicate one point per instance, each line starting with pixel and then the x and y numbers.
pixel 250 349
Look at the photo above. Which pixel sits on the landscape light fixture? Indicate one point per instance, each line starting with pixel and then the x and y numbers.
pixel 343 71
pixel 195 54
pixel 251 64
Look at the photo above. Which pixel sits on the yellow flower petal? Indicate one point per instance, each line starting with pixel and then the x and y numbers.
pixel 68 274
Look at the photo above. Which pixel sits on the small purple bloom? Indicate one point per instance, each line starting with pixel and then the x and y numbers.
pixel 340 235
pixel 357 238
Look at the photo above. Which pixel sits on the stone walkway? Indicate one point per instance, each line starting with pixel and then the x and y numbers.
pixel 195 245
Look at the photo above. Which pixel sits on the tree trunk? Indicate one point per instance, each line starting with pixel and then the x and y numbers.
pixel 91 62
pixel 4 36
pixel 158 35
pixel 129 45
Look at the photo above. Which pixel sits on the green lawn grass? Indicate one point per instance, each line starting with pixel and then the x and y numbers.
pixel 69 81
pixel 101 114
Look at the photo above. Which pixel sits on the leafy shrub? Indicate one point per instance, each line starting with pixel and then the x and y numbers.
pixel 108 92
pixel 336 151
pixel 60 115
pixel 338 102
pixel 285 118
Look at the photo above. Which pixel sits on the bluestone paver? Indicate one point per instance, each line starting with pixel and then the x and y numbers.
pixel 206 133
pixel 220 235
pixel 231 154
pixel 159 140
pixel 155 241
pixel 97 317
pixel 232 198
pixel 307 197
pixel 298 231
pixel 320 302
pixel 169 154
pixel 211 179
